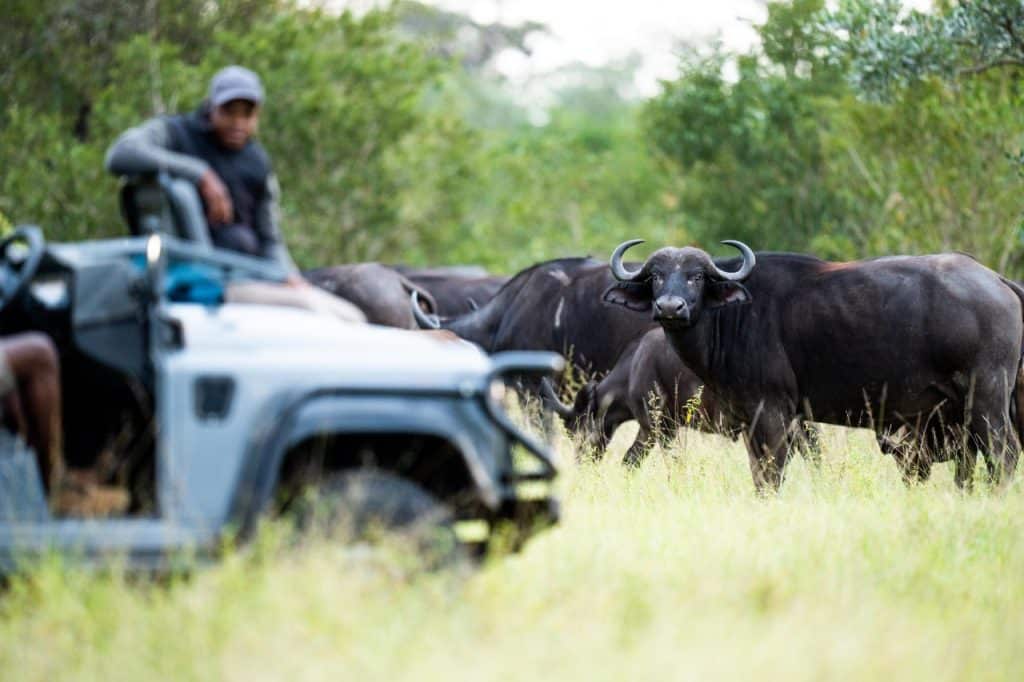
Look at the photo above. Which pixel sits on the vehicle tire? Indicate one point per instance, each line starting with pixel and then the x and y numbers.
pixel 377 508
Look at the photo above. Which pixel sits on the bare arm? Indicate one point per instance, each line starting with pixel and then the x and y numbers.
pixel 146 149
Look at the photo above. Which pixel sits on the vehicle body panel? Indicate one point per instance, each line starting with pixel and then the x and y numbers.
pixel 236 385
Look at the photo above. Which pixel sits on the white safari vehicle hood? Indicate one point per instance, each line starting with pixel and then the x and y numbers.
pixel 308 347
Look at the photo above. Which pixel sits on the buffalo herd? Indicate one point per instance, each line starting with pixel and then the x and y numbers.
pixel 924 350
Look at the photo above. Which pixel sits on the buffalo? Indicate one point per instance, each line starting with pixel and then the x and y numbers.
pixel 650 384
pixel 455 290
pixel 379 291
pixel 556 306
pixel 926 348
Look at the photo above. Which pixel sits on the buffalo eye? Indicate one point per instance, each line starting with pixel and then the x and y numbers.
pixel 698 277
pixel 656 278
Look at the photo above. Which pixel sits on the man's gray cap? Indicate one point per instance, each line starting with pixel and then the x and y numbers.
pixel 235 82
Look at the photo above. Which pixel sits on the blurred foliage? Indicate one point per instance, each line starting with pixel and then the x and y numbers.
pixel 847 132
pixel 889 47
pixel 933 172
pixel 777 147
pixel 388 142
pixel 473 44
pixel 559 190
pixel 750 150
pixel 751 146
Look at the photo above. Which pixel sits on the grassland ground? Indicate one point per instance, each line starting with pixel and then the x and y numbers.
pixel 674 571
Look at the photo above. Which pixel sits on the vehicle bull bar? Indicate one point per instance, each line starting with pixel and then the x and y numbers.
pixel 520 363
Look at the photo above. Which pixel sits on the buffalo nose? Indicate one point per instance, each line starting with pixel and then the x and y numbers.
pixel 671 307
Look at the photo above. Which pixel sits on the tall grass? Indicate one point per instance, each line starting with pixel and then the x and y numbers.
pixel 675 571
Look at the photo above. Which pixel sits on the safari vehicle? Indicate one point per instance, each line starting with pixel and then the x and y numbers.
pixel 214 415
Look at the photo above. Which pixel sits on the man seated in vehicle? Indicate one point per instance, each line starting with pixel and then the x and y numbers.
pixel 215 148
pixel 30 391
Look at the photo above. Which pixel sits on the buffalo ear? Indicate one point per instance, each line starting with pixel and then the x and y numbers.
pixel 718 294
pixel 632 295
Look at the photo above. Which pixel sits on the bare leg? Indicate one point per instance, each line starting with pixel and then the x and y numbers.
pixel 33 360
pixel 34 365
pixel 14 415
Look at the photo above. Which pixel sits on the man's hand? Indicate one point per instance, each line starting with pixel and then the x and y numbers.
pixel 296 281
pixel 219 210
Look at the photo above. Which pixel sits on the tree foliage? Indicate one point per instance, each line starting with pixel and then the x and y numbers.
pixel 848 132
pixel 387 146
pixel 779 146
pixel 750 146
pixel 889 47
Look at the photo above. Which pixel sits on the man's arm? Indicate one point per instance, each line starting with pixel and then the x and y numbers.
pixel 268 226
pixel 146 149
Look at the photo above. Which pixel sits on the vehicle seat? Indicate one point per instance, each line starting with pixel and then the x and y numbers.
pixel 164 204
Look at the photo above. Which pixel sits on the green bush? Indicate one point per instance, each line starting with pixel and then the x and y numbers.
pixel 786 157
pixel 370 135
pixel 562 189
pixel 749 153
pixel 387 151
pixel 932 171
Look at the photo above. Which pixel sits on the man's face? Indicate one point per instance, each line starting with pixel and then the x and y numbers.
pixel 235 122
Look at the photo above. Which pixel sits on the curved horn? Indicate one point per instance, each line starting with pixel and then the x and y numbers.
pixel 745 269
pixel 551 399
pixel 618 269
pixel 422 319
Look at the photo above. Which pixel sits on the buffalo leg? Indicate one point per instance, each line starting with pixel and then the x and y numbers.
pixel 666 433
pixel 654 425
pixel 913 447
pixel 639 449
pixel 596 438
pixel 916 466
pixel 809 441
pixel 998 441
pixel 913 458
pixel 768 442
pixel 991 430
pixel 966 460
pixel 604 426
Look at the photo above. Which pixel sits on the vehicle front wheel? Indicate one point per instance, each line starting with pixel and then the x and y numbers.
pixel 376 508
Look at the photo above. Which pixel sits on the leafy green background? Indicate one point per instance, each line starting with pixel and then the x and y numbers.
pixel 853 132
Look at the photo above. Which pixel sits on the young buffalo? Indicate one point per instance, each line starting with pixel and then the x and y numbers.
pixel 650 384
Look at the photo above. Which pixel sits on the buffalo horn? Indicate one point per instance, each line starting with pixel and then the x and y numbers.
pixel 552 400
pixel 422 319
pixel 745 269
pixel 618 269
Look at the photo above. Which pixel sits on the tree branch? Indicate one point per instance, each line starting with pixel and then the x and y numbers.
pixel 997 63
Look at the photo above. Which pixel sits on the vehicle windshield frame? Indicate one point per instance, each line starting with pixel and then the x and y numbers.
pixel 232 266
